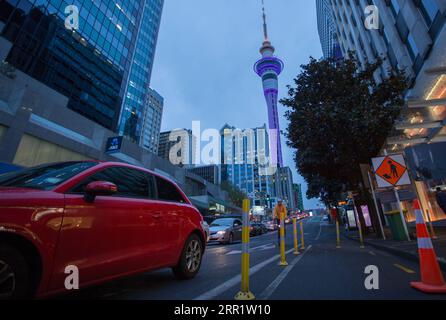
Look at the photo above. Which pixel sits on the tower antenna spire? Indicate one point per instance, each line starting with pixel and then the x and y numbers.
pixel 265 28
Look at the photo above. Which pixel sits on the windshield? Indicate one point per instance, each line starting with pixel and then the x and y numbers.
pixel 222 223
pixel 44 177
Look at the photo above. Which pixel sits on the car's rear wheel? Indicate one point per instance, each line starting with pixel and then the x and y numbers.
pixel 190 260
pixel 14 274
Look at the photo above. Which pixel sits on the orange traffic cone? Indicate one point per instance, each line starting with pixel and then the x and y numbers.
pixel 432 280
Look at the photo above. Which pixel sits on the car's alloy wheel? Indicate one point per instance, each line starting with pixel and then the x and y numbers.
pixel 193 255
pixel 7 280
pixel 190 260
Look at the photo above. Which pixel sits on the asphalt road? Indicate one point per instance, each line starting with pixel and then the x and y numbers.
pixel 320 272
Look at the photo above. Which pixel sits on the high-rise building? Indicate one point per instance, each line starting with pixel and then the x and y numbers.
pixel 103 65
pixel 409 36
pixel 209 173
pixel 285 187
pixel 298 197
pixel 269 68
pixel 140 71
pixel 178 146
pixel 244 164
pixel 152 121
pixel 327 30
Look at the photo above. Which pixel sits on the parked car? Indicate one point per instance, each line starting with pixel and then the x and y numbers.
pixel 226 230
pixel 108 220
pixel 257 229
pixel 206 230
pixel 271 225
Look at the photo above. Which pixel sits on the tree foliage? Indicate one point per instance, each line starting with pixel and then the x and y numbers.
pixel 236 195
pixel 339 118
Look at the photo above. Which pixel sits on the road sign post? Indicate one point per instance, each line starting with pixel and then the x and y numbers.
pixel 376 205
pixel 245 293
pixel 403 218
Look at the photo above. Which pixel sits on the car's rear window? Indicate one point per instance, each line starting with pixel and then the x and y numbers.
pixel 44 177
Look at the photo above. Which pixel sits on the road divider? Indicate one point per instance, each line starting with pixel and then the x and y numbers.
pixel 245 293
pixel 296 238
pixel 282 242
pixel 302 235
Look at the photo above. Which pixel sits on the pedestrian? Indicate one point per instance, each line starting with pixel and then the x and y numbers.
pixel 441 199
pixel 279 214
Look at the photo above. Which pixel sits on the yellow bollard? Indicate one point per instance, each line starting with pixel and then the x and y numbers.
pixel 282 241
pixel 302 237
pixel 296 241
pixel 338 237
pixel 244 293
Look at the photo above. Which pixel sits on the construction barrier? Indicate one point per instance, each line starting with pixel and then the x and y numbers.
pixel 245 293
pixel 432 280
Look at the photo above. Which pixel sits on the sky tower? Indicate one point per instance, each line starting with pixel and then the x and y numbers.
pixel 269 68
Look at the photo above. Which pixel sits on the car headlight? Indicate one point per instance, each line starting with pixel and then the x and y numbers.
pixel 221 233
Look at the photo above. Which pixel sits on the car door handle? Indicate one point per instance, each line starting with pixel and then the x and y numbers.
pixel 157 215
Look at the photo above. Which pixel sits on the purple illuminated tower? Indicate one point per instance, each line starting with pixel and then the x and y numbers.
pixel 269 68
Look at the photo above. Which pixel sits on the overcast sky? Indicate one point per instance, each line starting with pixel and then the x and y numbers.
pixel 205 56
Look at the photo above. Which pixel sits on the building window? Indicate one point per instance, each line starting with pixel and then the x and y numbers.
pixel 412 48
pixel 429 9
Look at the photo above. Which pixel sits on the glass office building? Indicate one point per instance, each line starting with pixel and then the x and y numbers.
pixel 103 67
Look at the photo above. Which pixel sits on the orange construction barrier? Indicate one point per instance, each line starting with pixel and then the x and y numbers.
pixel 432 280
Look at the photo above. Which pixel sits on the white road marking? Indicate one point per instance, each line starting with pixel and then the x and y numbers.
pixel 275 284
pixel 264 247
pixel 213 293
pixel 319 233
pixel 372 253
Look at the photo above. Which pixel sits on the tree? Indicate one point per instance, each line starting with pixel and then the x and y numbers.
pixel 236 195
pixel 339 118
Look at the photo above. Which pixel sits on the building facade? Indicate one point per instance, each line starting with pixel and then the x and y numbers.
pixel 152 121
pixel 408 35
pixel 103 65
pixel 242 164
pixel 209 173
pixel 298 197
pixel 327 30
pixel 178 146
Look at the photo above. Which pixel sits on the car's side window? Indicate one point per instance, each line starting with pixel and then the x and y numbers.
pixel 237 223
pixel 167 191
pixel 130 182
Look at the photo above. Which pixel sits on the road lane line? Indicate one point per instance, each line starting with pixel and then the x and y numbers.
pixel 213 293
pixel 372 253
pixel 320 231
pixel 275 284
pixel 407 270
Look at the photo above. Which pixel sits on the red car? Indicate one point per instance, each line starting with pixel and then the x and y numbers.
pixel 108 220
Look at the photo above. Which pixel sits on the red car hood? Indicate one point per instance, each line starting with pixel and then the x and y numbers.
pixel 25 196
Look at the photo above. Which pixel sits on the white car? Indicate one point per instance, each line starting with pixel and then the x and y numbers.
pixel 206 230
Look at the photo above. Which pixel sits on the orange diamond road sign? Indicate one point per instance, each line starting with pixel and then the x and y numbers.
pixel 391 171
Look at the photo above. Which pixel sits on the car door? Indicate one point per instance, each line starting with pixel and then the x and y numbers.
pixel 238 228
pixel 113 235
pixel 173 218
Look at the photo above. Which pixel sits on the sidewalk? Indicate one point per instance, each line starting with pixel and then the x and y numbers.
pixel 406 249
